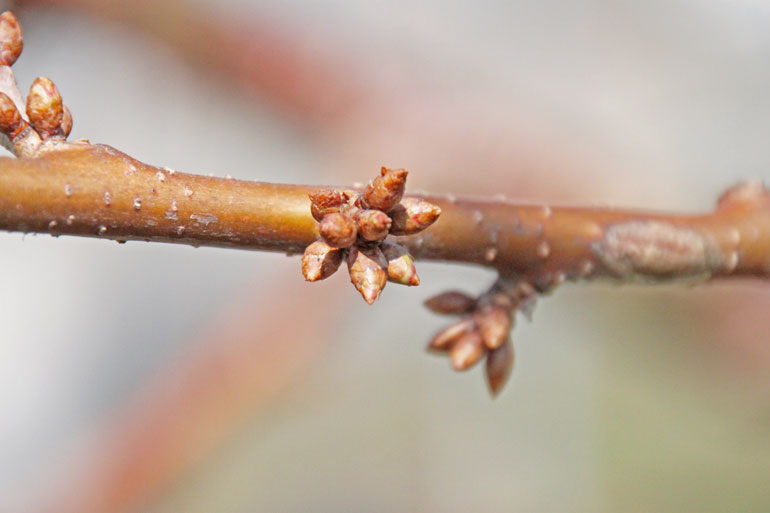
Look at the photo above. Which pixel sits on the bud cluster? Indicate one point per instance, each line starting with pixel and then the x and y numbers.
pixel 354 226
pixel 483 330
pixel 44 117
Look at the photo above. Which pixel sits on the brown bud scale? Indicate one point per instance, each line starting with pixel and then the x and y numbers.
pixel 466 351
pixel 338 230
pixel 11 122
pixel 320 261
pixel 373 225
pixel 498 367
pixel 66 122
pixel 11 40
pixel 368 272
pixel 494 325
pixel 44 108
pixel 385 191
pixel 413 215
pixel 451 302
pixel 444 339
pixel 326 201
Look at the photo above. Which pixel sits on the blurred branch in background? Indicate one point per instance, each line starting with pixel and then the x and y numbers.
pixel 242 359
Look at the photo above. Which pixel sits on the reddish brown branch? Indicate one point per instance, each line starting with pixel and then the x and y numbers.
pixel 97 191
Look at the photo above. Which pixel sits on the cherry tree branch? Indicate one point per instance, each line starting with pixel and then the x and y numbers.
pixel 96 191
pixel 76 188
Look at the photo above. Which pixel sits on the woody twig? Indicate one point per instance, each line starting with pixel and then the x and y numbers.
pixel 77 188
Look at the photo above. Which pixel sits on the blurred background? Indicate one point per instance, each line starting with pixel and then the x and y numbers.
pixel 149 377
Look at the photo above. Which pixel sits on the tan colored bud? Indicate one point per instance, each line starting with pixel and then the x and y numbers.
pixel 466 351
pixel 326 202
pixel 413 215
pixel 338 230
pixel 368 272
pixel 66 122
pixel 11 40
pixel 44 108
pixel 498 367
pixel 401 267
pixel 320 261
pixel 373 225
pixel 494 325
pixel 444 339
pixel 451 302
pixel 11 122
pixel 385 191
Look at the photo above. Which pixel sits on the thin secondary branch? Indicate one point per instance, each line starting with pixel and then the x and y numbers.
pixel 97 191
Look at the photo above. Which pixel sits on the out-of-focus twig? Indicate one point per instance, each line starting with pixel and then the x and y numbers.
pixel 239 361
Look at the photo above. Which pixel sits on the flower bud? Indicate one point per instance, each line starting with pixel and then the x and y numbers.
pixel 338 230
pixel 44 108
pixel 498 367
pixel 368 272
pixel 320 261
pixel 466 351
pixel 385 191
pixel 326 202
pixel 401 267
pixel 494 325
pixel 11 41
pixel 373 225
pixel 451 302
pixel 413 215
pixel 444 339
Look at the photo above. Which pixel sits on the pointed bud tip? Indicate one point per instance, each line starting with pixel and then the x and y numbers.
pixel 370 294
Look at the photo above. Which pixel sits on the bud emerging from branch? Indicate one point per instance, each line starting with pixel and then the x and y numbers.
pixel 358 224
pixel 326 202
pixel 401 267
pixel 44 108
pixel 494 325
pixel 338 230
pixel 444 339
pixel 451 302
pixel 385 191
pixel 466 351
pixel 320 261
pixel 413 215
pixel 499 366
pixel 368 272
pixel 11 41
pixel 373 225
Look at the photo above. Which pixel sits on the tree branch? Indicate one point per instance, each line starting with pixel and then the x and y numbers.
pixel 76 188
pixel 97 191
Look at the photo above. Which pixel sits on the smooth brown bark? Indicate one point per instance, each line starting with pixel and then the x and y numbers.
pixel 97 191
